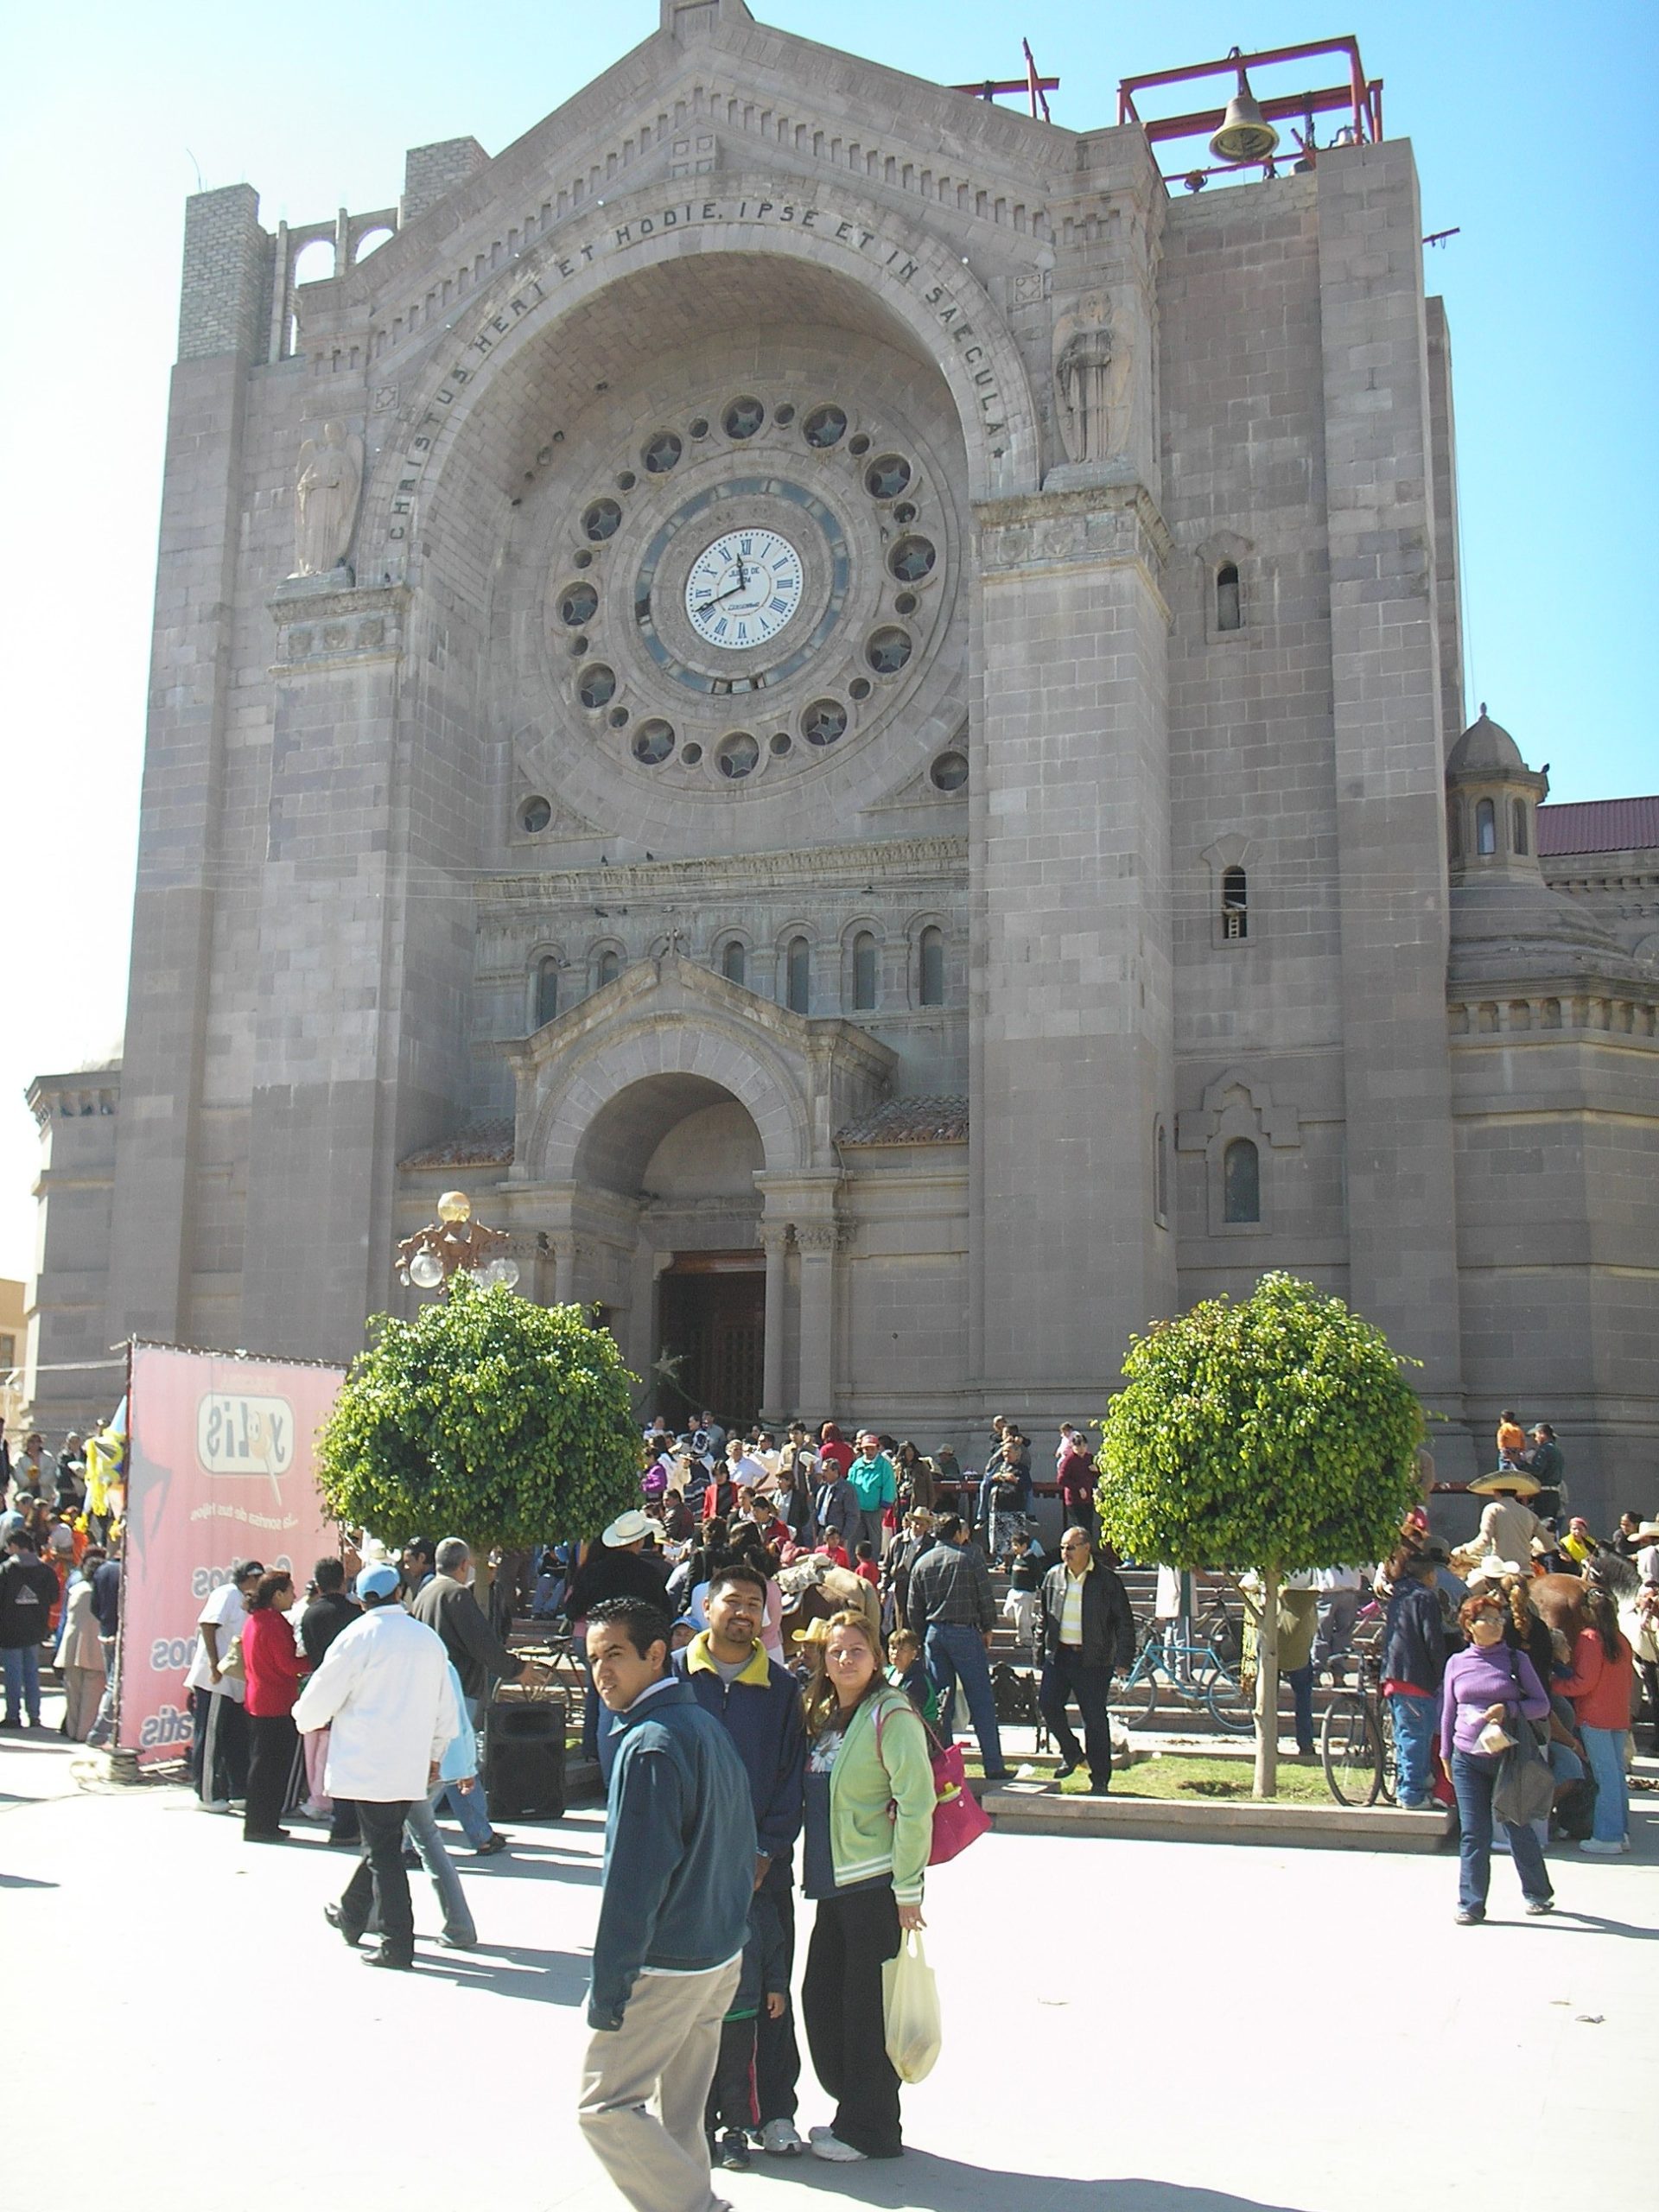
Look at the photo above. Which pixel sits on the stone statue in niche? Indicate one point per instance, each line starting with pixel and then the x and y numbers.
pixel 1089 372
pixel 325 499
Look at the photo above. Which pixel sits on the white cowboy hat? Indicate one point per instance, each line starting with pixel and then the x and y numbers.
pixel 627 1528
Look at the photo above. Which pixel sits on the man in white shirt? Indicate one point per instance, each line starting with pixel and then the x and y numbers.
pixel 219 1738
pixel 384 1692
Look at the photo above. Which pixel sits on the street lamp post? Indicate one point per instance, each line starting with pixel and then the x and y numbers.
pixel 453 1245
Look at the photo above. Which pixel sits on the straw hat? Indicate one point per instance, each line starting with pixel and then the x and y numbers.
pixel 1513 1482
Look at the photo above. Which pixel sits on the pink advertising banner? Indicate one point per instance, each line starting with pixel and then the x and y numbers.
pixel 219 1468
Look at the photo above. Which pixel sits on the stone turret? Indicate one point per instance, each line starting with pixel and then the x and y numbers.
pixel 1507 925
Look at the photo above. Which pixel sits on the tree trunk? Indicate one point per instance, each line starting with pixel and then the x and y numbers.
pixel 1267 1688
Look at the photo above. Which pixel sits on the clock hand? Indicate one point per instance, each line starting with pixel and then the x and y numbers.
pixel 714 599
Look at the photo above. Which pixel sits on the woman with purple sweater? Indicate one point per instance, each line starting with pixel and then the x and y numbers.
pixel 1489 1682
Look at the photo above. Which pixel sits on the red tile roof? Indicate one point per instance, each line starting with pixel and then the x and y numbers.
pixel 482 1144
pixel 910 1121
pixel 1599 825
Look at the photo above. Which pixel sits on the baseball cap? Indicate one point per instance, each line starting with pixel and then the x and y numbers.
pixel 378 1582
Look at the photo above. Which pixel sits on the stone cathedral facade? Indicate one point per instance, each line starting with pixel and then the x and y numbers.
pixel 852 715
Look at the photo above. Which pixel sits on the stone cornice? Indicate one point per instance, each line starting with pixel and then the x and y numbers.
pixel 1083 523
pixel 822 868
pixel 1614 1013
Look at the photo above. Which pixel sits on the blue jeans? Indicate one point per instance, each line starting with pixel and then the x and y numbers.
pixel 471 1807
pixel 1300 1683
pixel 1474 1776
pixel 22 1681
pixel 1605 1748
pixel 956 1653
pixel 1413 1719
pixel 422 1829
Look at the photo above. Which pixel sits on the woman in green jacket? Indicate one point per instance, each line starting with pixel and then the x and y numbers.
pixel 867 1832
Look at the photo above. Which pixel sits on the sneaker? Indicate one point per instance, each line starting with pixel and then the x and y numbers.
pixel 819 2135
pixel 1538 1906
pixel 829 2146
pixel 735 2151
pixel 1466 1918
pixel 1598 1849
pixel 491 1845
pixel 782 2139
pixel 450 1942
pixel 214 1805
pixel 1625 1845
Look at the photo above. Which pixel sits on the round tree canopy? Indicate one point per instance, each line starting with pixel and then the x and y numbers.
pixel 487 1417
pixel 1275 1431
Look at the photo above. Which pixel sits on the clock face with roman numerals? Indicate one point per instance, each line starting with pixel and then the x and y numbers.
pixel 743 588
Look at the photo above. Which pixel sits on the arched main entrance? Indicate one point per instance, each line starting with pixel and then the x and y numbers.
pixel 684 1152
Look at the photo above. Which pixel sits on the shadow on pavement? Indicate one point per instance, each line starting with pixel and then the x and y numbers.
pixel 949 2185
pixel 510 1970
pixel 1597 1924
pixel 24 1881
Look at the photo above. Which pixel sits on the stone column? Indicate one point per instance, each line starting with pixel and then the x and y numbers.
pixel 774 1240
pixel 564 1269
pixel 818 1242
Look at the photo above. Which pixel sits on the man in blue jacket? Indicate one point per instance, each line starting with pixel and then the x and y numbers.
pixel 758 1705
pixel 679 1872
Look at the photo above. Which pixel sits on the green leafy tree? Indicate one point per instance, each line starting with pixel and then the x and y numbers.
pixel 487 1417
pixel 1275 1433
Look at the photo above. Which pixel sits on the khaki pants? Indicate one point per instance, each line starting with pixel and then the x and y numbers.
pixel 666 2049
pixel 83 1688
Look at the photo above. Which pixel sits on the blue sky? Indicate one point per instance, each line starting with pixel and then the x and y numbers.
pixel 1530 125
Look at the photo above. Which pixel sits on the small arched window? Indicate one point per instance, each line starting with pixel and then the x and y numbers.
pixel 1241 1181
pixel 547 990
pixel 1454 829
pixel 933 977
pixel 1518 824
pixel 610 967
pixel 1234 906
pixel 798 962
pixel 1230 613
pixel 735 962
pixel 863 972
pixel 1485 827
pixel 1160 1174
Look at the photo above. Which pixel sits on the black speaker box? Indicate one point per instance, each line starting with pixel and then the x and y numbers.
pixel 523 1759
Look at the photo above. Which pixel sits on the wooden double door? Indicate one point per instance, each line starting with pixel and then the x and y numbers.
pixel 712 1316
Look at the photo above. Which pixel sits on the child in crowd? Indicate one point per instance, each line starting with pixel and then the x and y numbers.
pixel 905 1672
pixel 1022 1605
pixel 865 1566
pixel 763 1979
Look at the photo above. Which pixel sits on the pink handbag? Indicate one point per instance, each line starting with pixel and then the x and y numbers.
pixel 959 1818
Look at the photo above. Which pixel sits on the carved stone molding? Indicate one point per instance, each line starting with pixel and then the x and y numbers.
pixel 1113 520
pixel 833 866
pixel 323 622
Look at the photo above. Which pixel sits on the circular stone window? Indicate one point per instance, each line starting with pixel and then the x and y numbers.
pixel 700 428
pixel 824 721
pixel 905 603
pixel 887 653
pixel 626 480
pixel 618 717
pixel 904 512
pixel 597 686
pixel 912 559
pixel 534 816
pixel 653 741
pixel 662 453
pixel 859 444
pixel 743 418
pixel 578 603
pixel 738 755
pixel 860 686
pixel 691 753
pixel 783 416
pixel 779 743
pixel 602 520
pixel 584 559
pixel 824 427
pixel 886 477
pixel 950 771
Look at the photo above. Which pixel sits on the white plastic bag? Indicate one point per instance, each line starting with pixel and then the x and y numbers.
pixel 910 2006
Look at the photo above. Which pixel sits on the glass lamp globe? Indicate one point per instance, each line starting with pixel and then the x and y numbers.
pixel 455 1205
pixel 506 1271
pixel 426 1269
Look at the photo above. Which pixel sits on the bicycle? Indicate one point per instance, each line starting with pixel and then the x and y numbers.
pixel 1197 1674
pixel 1355 1742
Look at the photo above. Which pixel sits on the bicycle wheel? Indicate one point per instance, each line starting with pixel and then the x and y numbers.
pixel 1229 1702
pixel 1134 1702
pixel 1350 1751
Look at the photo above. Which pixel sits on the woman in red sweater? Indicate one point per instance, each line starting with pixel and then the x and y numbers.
pixel 275 1667
pixel 1601 1687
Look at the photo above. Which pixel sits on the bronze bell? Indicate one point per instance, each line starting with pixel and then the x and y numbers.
pixel 1245 134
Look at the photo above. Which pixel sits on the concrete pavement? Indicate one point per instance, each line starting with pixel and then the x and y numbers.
pixel 1130 2027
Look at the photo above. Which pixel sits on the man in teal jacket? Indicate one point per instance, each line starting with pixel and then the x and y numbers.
pixel 875 1486
pixel 679 1872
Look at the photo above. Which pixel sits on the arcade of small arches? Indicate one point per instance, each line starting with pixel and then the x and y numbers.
pixel 862 971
